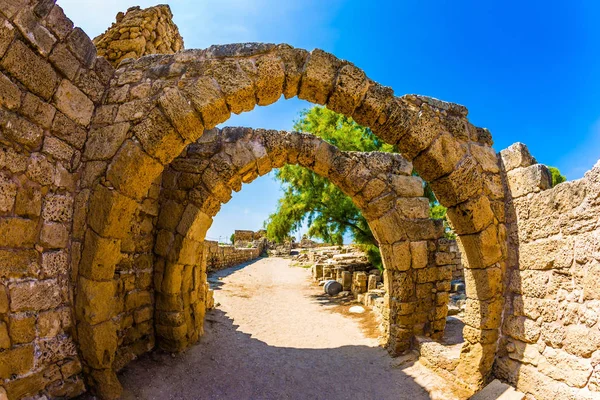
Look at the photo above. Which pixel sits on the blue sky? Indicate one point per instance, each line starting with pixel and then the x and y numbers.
pixel 528 71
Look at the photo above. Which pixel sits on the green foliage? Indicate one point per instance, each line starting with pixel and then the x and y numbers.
pixel 330 214
pixel 373 255
pixel 557 177
pixel 232 238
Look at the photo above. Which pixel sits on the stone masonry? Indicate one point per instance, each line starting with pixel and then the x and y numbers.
pixel 139 32
pixel 109 179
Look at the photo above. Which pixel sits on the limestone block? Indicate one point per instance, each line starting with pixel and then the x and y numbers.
pixel 484 314
pixel 16 361
pixel 95 300
pixel 158 137
pixel 483 284
pixel 40 170
pixel 21 328
pixel 472 216
pixel 319 76
pixel 18 232
pixel 20 130
pixel 10 95
pixel 419 254
pixel 35 295
pixel 532 179
pixel 350 87
pixel 8 193
pixel 34 32
pixel 269 80
pixel 181 114
pixel 581 341
pixel 7 34
pixel 4 337
pixel 482 249
pixel 103 142
pixel 58 208
pixel 3 299
pixel 566 368
pixel 54 235
pixel 207 99
pixel 413 207
pixel 521 328
pixel 516 156
pixel 132 171
pixel 100 256
pixel 293 62
pixel 35 73
pixel 98 343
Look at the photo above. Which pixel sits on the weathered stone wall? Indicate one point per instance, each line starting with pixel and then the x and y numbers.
pixel 139 32
pixel 134 296
pixel 550 344
pixel 448 254
pixel 248 236
pixel 220 257
pixel 50 83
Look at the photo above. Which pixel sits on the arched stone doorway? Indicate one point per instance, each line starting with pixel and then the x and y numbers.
pixel 157 105
pixel 200 180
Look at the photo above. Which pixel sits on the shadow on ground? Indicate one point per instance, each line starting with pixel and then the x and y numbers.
pixel 229 364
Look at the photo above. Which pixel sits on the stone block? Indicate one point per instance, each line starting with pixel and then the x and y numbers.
pixel 419 254
pixel 98 343
pixel 20 130
pixel 35 295
pixel 532 179
pixel 3 299
pixel 484 314
pixel 16 361
pixel 18 232
pixel 19 263
pixel 350 88
pixel 158 138
pixel 516 156
pixel 10 95
pixel 319 75
pixel 181 114
pixel 40 170
pixel 58 208
pixel 4 337
pixel 110 212
pixel 54 235
pixel 100 256
pixel 207 99
pixel 34 32
pixel 482 249
pixel 132 171
pixel 103 142
pixel 22 328
pixel 471 216
pixel 74 103
pixel 95 300
pixel 413 207
pixel 483 284
pixel 31 70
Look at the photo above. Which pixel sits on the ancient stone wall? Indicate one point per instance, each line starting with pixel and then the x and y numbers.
pixel 50 83
pixel 222 256
pixel 550 345
pixel 248 236
pixel 139 32
pixel 448 254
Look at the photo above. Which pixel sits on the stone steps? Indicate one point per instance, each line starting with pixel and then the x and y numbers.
pixel 497 390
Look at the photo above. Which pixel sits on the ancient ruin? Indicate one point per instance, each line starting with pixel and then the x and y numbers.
pixel 111 170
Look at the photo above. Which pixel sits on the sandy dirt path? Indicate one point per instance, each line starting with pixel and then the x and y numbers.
pixel 274 336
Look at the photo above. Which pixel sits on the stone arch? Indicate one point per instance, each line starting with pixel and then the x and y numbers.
pixel 203 177
pixel 156 105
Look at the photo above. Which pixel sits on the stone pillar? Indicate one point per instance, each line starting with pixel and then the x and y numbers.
pixel 347 280
pixel 372 284
pixel 359 283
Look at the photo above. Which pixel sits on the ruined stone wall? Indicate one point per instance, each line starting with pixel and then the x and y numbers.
pixel 248 236
pixel 50 83
pixel 550 344
pixel 220 257
pixel 139 32
pixel 448 254
pixel 134 279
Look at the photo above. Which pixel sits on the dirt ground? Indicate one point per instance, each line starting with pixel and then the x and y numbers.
pixel 273 335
